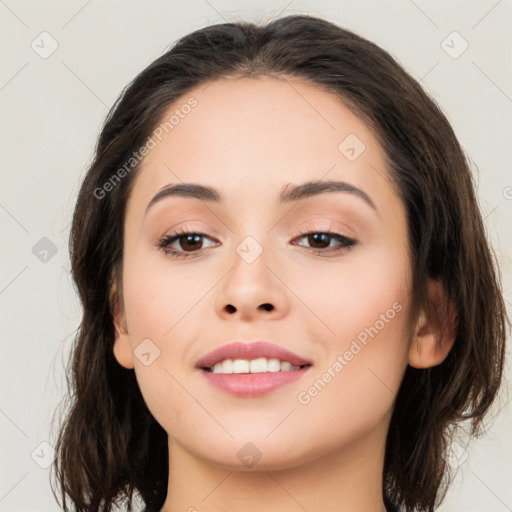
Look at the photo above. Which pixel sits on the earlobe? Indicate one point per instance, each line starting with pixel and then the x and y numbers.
pixel 435 334
pixel 122 347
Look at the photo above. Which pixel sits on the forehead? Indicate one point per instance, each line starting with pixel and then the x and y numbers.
pixel 250 136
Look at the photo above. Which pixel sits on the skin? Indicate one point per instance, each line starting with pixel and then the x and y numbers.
pixel 249 138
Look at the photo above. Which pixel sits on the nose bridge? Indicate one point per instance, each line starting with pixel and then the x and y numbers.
pixel 250 264
pixel 251 288
pixel 250 234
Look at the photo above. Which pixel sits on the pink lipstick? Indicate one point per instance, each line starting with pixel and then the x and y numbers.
pixel 252 369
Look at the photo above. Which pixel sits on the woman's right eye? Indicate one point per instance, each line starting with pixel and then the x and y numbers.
pixel 184 239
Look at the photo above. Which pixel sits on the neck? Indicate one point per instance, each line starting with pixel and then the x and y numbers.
pixel 346 480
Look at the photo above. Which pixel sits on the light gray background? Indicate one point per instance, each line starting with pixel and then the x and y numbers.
pixel 52 110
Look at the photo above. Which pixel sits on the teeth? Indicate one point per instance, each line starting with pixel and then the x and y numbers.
pixel 273 365
pixel 240 366
pixel 285 366
pixel 228 368
pixel 260 365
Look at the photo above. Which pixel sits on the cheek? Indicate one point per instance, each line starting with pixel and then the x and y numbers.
pixel 365 305
pixel 352 293
pixel 353 391
pixel 163 305
pixel 159 294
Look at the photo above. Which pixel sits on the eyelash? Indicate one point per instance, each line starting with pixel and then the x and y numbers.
pixel 346 243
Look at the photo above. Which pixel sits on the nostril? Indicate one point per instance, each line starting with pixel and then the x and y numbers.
pixel 267 307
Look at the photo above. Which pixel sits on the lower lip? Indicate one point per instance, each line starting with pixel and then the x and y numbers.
pixel 250 385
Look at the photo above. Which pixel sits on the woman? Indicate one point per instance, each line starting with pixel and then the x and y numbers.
pixel 288 297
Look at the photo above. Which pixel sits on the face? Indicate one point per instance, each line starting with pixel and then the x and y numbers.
pixel 324 275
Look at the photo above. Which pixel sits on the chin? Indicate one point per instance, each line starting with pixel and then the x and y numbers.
pixel 246 455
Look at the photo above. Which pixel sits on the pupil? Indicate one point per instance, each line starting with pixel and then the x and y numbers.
pixel 190 240
pixel 316 236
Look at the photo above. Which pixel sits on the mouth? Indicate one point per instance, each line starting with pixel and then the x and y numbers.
pixel 250 370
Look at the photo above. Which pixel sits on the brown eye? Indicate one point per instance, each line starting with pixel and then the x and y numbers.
pixel 189 243
pixel 318 240
pixel 321 240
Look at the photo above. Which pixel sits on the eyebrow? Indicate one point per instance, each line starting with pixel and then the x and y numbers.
pixel 288 195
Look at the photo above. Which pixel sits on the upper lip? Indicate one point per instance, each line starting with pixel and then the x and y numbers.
pixel 243 350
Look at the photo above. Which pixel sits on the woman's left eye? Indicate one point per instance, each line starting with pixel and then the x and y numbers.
pixel 324 239
pixel 192 240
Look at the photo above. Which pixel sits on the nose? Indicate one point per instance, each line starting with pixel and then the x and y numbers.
pixel 252 291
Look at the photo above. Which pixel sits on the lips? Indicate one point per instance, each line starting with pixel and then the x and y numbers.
pixel 240 350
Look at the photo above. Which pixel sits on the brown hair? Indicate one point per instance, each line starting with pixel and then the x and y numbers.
pixel 109 444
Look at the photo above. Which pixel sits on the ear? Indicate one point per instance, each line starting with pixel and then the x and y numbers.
pixel 122 347
pixel 436 329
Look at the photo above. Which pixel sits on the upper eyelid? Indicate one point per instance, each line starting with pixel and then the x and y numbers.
pixel 301 232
